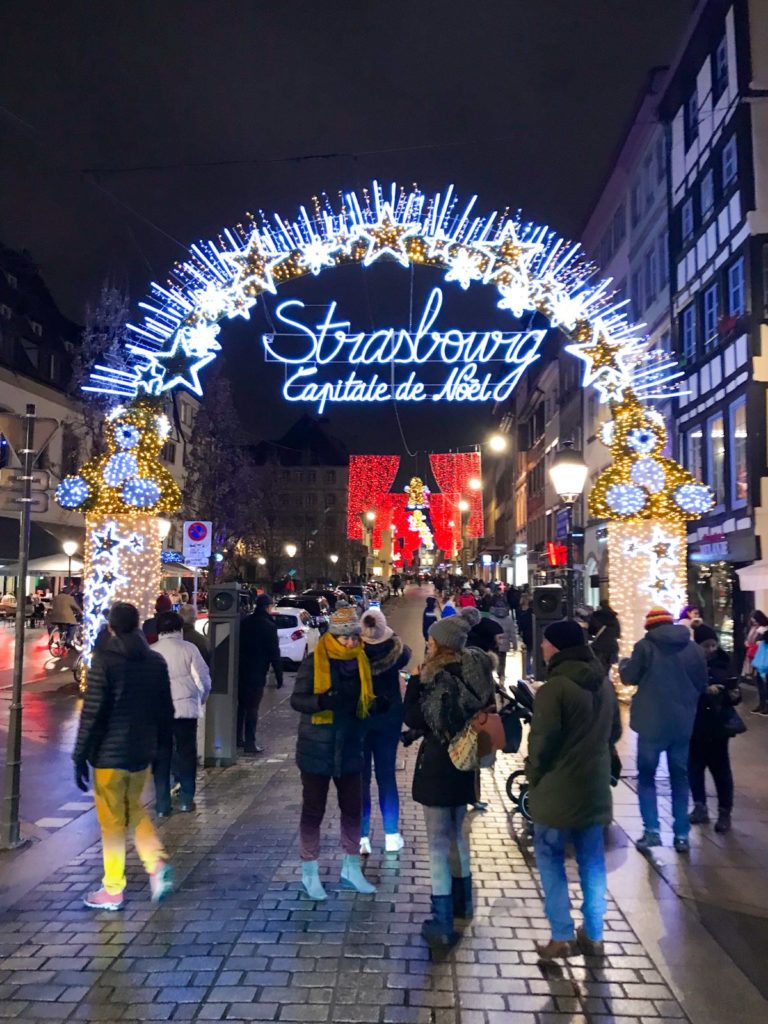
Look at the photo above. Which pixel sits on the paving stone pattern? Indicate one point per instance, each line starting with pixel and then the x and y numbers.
pixel 237 942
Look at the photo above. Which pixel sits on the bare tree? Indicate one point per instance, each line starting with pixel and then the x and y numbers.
pixel 102 342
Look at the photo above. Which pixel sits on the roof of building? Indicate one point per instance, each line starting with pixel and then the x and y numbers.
pixel 306 443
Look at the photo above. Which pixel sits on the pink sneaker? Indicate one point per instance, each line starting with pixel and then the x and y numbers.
pixel 161 882
pixel 103 900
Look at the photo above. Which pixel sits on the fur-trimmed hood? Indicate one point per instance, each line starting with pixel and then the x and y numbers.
pixel 456 687
pixel 385 655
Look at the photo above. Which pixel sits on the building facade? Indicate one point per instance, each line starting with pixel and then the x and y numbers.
pixel 715 112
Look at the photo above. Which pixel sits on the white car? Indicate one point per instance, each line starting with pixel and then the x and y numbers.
pixel 297 636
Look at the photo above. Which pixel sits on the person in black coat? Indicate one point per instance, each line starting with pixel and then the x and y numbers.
pixel 127 714
pixel 334 694
pixel 430 615
pixel 387 654
pixel 259 648
pixel 604 628
pixel 709 742
pixel 454 684
pixel 483 631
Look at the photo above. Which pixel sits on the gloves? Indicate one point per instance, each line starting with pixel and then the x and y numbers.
pixel 81 775
pixel 328 701
pixel 380 706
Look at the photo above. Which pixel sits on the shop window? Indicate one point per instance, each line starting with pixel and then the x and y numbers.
pixel 716 432
pixel 719 69
pixel 710 316
pixel 688 330
pixel 691 119
pixel 686 220
pixel 694 454
pixel 730 162
pixel 738 450
pixel 707 190
pixel 736 292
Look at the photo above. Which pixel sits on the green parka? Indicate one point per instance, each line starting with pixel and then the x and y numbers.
pixel 575 722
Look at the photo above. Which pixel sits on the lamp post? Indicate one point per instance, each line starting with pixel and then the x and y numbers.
pixel 69 547
pixel 463 508
pixel 568 474
pixel 498 443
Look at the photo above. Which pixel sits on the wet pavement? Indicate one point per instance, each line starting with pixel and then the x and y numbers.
pixel 238 943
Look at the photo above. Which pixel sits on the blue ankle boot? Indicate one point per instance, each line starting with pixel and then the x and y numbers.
pixel 438 931
pixel 463 903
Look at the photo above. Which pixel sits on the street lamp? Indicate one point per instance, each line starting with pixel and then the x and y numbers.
pixel 334 558
pixel 290 550
pixel 463 506
pixel 568 474
pixel 261 560
pixel 370 516
pixel 498 443
pixel 475 484
pixel 69 547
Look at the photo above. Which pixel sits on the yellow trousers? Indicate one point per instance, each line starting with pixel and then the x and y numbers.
pixel 118 807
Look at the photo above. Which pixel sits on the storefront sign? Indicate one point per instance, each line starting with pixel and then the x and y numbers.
pixel 311 346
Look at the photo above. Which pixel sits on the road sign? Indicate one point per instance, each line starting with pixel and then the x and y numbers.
pixel 40 479
pixel 197 542
pixel 13 428
pixel 12 501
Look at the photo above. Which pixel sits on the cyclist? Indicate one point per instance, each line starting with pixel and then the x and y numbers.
pixel 65 613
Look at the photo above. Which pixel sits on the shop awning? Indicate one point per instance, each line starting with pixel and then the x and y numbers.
pixel 755 576
pixel 53 565
pixel 42 543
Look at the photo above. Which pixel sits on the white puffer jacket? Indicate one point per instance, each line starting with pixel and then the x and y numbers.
pixel 190 678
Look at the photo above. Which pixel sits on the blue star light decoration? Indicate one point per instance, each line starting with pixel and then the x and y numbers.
pixel 531 268
pixel 104 578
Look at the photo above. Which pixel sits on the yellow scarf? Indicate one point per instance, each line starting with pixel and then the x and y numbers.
pixel 328 647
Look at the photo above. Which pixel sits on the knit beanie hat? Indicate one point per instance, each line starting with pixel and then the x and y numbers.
pixel 450 633
pixel 564 634
pixel 658 616
pixel 264 601
pixel 472 615
pixel 344 622
pixel 163 603
pixel 375 628
pixel 702 633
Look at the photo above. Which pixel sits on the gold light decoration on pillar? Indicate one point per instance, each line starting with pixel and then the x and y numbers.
pixel 123 494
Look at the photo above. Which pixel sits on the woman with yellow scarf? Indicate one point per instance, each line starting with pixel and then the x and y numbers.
pixel 334 694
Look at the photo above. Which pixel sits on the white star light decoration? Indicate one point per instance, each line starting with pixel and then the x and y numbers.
pixel 105 576
pixel 662 581
pixel 529 266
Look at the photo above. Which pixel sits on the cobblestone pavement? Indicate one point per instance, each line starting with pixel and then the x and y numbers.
pixel 237 942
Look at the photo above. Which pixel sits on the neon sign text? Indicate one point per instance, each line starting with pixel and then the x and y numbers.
pixel 310 347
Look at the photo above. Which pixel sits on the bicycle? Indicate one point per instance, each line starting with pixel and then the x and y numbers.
pixel 59 644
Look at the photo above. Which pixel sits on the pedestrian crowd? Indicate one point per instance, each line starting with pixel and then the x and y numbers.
pixel 147 689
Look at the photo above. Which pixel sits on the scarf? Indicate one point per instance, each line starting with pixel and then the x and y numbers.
pixel 328 649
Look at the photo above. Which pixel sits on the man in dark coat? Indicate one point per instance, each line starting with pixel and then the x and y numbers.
pixel 127 714
pixel 670 672
pixel 259 648
pixel 605 630
pixel 575 724
pixel 483 630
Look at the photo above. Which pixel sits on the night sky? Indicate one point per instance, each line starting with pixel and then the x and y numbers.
pixel 132 129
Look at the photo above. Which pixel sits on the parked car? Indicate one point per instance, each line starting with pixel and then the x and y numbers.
pixel 297 636
pixel 316 606
pixel 327 593
pixel 356 592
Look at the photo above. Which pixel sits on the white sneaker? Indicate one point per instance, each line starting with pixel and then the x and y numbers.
pixel 393 842
pixel 365 847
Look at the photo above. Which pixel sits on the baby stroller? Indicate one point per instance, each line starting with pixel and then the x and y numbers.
pixel 516 710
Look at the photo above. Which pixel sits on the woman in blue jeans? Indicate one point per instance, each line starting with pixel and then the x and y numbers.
pixel 453 685
pixel 387 654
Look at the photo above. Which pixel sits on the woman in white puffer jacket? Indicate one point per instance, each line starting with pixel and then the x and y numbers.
pixel 190 686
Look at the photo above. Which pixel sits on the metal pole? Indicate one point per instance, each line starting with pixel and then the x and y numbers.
pixel 10 836
pixel 194 589
pixel 569 570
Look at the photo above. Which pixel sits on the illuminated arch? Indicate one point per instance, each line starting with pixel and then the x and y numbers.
pixel 531 268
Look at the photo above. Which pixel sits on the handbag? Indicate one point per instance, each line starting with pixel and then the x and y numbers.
pixel 513 729
pixel 732 722
pixel 482 736
pixel 760 660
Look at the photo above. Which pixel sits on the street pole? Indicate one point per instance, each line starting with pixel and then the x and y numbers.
pixel 9 825
pixel 569 590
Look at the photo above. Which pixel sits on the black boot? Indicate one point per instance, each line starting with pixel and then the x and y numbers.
pixel 463 904
pixel 723 823
pixel 438 931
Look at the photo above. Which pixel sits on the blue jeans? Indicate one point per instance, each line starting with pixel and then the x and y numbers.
pixel 549 845
pixel 648 754
pixel 448 847
pixel 380 744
